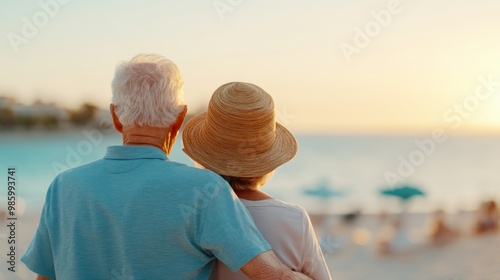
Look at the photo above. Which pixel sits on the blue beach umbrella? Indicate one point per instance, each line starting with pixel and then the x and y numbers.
pixel 404 193
pixel 322 190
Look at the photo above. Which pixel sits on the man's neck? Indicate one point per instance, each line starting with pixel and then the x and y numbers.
pixel 146 136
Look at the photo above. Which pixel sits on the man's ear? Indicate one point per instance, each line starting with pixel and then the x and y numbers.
pixel 118 125
pixel 176 127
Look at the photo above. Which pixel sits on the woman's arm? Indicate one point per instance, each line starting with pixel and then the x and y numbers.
pixel 314 264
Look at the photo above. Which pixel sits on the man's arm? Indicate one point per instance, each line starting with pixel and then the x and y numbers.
pixel 40 277
pixel 268 266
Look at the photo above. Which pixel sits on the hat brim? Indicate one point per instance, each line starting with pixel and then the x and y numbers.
pixel 198 148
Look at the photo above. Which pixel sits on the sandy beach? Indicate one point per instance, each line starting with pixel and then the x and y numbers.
pixel 466 257
pixel 353 256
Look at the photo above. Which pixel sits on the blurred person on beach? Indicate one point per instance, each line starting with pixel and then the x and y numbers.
pixel 393 238
pixel 239 139
pixel 137 215
pixel 440 232
pixel 488 218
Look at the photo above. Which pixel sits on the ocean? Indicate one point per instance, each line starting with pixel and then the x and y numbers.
pixel 455 175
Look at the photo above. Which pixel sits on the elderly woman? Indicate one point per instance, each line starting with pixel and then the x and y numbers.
pixel 239 139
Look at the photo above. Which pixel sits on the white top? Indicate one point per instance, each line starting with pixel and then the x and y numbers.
pixel 288 229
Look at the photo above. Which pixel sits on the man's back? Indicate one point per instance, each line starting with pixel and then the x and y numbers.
pixel 135 215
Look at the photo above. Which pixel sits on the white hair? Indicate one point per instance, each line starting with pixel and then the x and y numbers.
pixel 147 91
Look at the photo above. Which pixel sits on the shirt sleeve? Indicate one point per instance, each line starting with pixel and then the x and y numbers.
pixel 314 264
pixel 228 231
pixel 38 257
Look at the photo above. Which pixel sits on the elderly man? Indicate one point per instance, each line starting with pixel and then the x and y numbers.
pixel 137 215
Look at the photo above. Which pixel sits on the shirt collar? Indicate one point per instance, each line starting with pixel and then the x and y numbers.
pixel 135 152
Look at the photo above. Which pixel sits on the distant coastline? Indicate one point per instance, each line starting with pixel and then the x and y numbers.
pixel 44 116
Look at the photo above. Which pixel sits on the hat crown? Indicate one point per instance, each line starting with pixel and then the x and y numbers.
pixel 241 114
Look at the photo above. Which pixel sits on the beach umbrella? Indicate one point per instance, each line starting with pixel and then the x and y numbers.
pixel 404 193
pixel 323 190
pixel 323 193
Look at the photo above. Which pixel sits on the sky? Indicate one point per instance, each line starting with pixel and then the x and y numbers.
pixel 332 66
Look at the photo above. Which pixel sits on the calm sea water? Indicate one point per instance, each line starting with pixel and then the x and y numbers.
pixel 456 176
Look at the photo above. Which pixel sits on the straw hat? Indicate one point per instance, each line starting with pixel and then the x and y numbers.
pixel 238 136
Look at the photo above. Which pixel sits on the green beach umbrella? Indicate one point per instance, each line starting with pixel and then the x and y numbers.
pixel 405 192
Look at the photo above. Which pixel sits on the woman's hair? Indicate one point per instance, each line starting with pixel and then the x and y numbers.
pixel 246 183
pixel 147 91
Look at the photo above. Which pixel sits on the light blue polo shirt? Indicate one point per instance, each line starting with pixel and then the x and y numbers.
pixel 136 215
